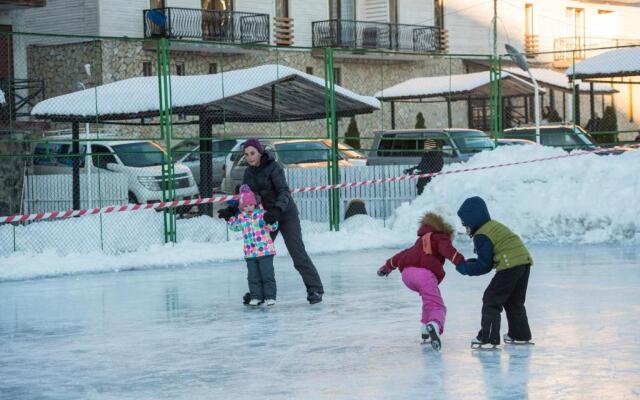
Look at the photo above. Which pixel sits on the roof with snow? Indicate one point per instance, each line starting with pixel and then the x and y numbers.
pixel 456 87
pixel 614 63
pixel 266 93
pixel 558 81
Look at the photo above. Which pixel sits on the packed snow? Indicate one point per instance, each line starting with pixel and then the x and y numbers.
pixel 140 94
pixel 618 62
pixel 442 86
pixel 587 199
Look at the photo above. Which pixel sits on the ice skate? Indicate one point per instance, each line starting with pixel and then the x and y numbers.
pixel 270 302
pixel 477 344
pixel 426 338
pixel 509 340
pixel 434 335
pixel 255 302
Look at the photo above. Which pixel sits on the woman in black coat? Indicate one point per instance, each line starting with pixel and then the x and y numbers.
pixel 266 178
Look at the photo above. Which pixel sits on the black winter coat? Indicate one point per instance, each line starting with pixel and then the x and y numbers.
pixel 268 181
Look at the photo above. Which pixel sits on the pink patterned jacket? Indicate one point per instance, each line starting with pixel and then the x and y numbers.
pixel 255 231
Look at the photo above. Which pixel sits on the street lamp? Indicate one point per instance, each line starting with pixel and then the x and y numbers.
pixel 519 59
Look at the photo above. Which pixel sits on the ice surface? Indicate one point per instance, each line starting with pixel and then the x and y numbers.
pixel 181 333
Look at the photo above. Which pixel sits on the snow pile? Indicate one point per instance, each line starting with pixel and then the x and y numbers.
pixel 586 199
pixel 577 200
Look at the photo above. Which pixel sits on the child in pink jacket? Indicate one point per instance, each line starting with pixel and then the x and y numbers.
pixel 258 248
pixel 421 266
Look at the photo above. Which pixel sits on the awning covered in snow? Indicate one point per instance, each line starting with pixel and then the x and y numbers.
pixel 558 81
pixel 265 93
pixel 455 87
pixel 614 63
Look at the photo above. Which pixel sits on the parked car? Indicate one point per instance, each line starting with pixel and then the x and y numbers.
pixel 188 153
pixel 569 137
pixel 350 154
pixel 513 142
pixel 405 147
pixel 139 160
pixel 289 153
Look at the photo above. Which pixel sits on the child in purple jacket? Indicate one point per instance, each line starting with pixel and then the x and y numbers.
pixel 258 248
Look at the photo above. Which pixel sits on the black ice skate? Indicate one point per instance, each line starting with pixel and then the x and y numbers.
pixel 509 340
pixel 434 335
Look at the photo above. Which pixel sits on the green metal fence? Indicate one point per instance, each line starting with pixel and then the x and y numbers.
pixel 96 121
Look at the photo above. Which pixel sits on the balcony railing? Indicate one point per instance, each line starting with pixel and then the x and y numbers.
pixel 16 4
pixel 568 49
pixel 191 23
pixel 377 35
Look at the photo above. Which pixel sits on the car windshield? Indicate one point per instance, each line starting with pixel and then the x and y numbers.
pixel 139 154
pixel 583 136
pixel 472 141
pixel 349 152
pixel 302 152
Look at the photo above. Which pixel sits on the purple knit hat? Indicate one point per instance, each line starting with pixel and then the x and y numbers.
pixel 255 143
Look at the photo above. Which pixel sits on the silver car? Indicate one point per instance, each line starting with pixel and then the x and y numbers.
pixel 188 153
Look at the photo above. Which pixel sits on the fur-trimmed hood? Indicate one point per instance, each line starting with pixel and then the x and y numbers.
pixel 432 222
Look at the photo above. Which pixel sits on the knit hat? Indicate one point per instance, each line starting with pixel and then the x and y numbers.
pixel 255 143
pixel 247 198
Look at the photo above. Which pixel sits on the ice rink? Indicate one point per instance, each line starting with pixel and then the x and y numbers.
pixel 182 333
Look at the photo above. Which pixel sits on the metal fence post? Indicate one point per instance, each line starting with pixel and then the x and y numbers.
pixel 166 130
pixel 332 133
pixel 496 97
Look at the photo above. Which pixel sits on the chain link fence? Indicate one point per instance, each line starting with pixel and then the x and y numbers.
pixel 90 122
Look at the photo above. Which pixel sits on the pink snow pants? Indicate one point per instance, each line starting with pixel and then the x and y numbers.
pixel 424 282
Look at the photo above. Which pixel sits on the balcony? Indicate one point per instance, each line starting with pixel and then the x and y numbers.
pixel 568 50
pixel 18 4
pixel 219 26
pixel 363 35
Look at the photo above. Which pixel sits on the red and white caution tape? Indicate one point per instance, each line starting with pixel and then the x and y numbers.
pixel 218 199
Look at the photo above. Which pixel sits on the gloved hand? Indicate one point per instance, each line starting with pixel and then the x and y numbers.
pixel 383 271
pixel 272 216
pixel 462 268
pixel 227 213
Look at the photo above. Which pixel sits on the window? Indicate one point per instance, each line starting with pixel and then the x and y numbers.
pixel 309 70
pixel 156 3
pixel 438 13
pixel 282 8
pixel 102 156
pixel 528 19
pixel 337 76
pixel 342 9
pixel 213 68
pixel 146 68
pixel 218 5
pixel 180 69
pixel 140 154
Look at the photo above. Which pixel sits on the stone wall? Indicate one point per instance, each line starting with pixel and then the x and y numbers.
pixel 13 157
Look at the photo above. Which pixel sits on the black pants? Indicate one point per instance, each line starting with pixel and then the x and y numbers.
pixel 421 183
pixel 261 277
pixel 507 289
pixel 292 235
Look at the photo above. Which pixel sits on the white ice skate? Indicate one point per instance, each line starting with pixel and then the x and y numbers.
pixel 270 302
pixel 509 340
pixel 477 344
pixel 255 302
pixel 434 334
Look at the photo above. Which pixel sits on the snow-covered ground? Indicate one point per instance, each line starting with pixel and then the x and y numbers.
pixel 181 333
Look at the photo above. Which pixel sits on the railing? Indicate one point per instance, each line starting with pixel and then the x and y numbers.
pixel 376 35
pixel 22 3
pixel 22 94
pixel 191 23
pixel 531 45
pixel 568 49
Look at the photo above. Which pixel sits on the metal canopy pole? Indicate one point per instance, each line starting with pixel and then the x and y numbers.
pixel 75 160
pixel 206 163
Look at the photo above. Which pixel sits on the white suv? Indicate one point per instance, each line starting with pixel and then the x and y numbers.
pixel 139 160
